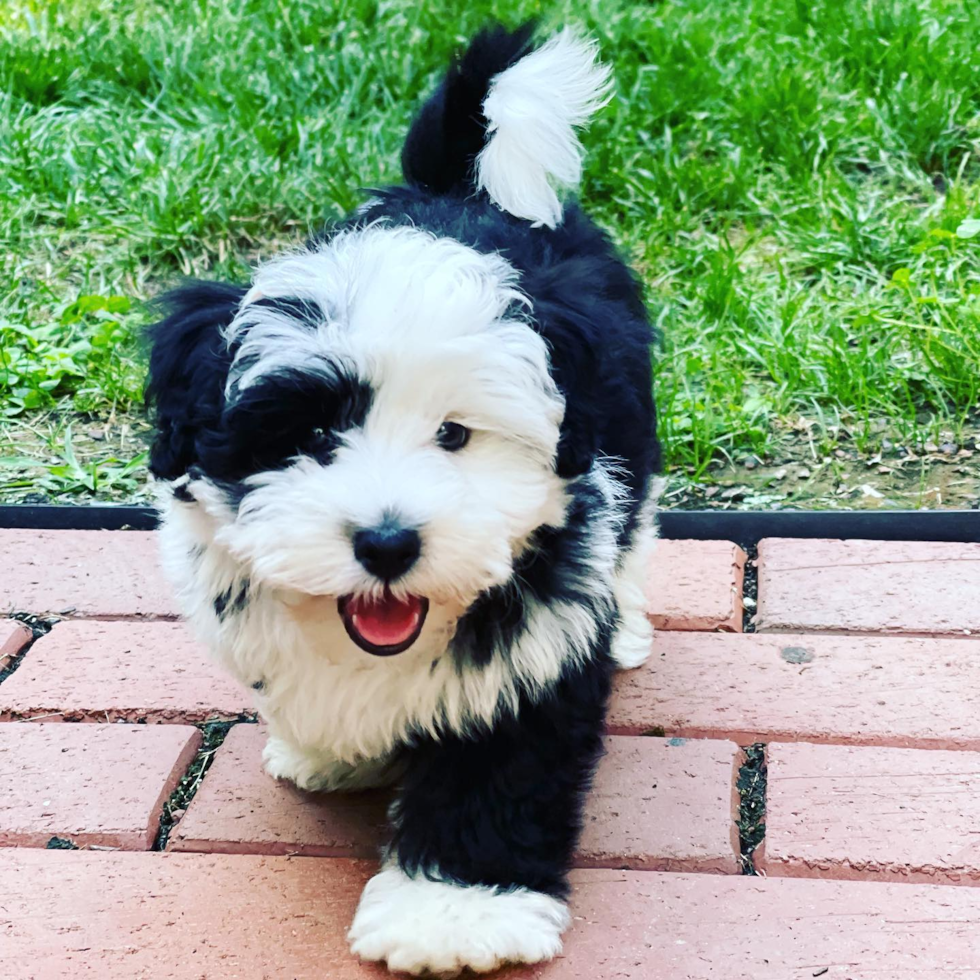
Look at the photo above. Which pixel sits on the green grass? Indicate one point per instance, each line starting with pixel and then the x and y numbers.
pixel 795 182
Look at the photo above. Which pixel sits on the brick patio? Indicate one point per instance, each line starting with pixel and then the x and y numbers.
pixel 862 681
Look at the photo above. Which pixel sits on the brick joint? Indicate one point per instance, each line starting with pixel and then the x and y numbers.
pixel 750 588
pixel 39 626
pixel 751 784
pixel 213 733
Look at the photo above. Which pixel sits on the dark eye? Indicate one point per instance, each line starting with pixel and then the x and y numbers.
pixel 317 438
pixel 452 436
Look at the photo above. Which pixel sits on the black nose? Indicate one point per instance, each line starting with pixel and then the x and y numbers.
pixel 387 551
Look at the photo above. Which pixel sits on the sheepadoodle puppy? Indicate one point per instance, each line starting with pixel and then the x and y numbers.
pixel 406 488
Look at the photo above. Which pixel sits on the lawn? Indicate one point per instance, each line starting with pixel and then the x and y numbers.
pixel 798 184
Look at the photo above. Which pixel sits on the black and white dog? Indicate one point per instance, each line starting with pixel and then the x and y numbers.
pixel 406 481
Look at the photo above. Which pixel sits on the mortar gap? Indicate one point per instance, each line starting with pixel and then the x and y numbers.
pixel 751 784
pixel 213 735
pixel 750 589
pixel 39 626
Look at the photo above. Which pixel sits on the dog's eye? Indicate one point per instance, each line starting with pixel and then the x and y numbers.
pixel 452 436
pixel 317 437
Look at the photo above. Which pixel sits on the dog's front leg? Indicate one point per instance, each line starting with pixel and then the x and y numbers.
pixel 484 830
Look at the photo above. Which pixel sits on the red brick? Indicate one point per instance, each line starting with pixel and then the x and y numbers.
pixel 869 586
pixel 240 809
pixel 14 636
pixel 696 585
pixel 94 671
pixel 891 814
pixel 83 573
pixel 94 784
pixel 899 691
pixel 189 916
pixel 663 805
pixel 91 916
pixel 655 805
pixel 643 926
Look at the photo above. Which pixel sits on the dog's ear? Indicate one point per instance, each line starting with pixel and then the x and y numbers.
pixel 578 305
pixel 572 339
pixel 189 362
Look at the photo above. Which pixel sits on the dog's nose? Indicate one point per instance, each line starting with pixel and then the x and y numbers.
pixel 386 551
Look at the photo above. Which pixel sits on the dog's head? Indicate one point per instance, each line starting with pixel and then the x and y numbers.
pixel 376 419
pixel 385 432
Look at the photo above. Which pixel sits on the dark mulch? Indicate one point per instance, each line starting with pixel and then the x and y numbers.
pixel 752 809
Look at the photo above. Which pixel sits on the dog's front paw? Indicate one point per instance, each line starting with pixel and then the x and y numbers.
pixel 420 926
pixel 321 771
pixel 284 760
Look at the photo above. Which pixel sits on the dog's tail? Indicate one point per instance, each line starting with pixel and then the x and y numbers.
pixel 503 120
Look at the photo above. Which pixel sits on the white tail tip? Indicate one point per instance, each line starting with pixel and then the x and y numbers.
pixel 532 111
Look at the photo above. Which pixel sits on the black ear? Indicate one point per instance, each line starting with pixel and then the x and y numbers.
pixel 450 129
pixel 572 340
pixel 189 363
pixel 589 310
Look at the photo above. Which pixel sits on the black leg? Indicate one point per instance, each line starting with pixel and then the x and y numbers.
pixel 503 807
pixel 485 826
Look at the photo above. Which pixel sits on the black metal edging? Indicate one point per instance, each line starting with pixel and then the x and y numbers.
pixel 79 517
pixel 742 526
pixel 747 527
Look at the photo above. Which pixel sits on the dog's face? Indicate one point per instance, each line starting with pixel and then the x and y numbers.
pixel 389 430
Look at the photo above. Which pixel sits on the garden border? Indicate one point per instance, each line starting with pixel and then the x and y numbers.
pixel 744 527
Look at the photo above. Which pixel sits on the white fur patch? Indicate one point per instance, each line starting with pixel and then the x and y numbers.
pixel 632 642
pixel 532 110
pixel 419 926
pixel 321 771
pixel 430 324
pixel 324 698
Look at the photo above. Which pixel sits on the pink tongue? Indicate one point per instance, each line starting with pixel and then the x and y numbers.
pixel 385 622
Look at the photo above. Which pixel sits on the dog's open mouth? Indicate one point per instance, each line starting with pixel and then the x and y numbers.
pixel 384 626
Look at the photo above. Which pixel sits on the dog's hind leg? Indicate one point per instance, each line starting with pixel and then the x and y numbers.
pixel 633 640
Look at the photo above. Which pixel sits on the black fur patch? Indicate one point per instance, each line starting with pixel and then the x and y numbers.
pixel 450 130
pixel 189 363
pixel 504 807
pixel 273 420
pixel 302 311
pixel 281 416
pixel 232 600
pixel 552 569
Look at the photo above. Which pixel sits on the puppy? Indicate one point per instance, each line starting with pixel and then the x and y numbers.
pixel 406 492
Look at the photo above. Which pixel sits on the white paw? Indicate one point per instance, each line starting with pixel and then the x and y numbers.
pixel 632 643
pixel 321 771
pixel 420 926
